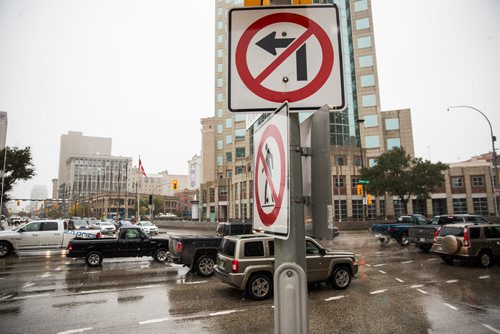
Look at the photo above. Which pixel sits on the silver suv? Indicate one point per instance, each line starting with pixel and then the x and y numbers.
pixel 247 263
pixel 463 241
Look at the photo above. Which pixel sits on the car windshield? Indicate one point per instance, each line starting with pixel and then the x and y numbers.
pixel 146 224
pixel 222 229
pixel 80 223
pixel 452 230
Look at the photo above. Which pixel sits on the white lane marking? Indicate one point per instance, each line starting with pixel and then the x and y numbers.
pixel 416 286
pixel 222 313
pixel 5 297
pixel 432 259
pixel 380 265
pixel 422 291
pixel 368 265
pixel 334 298
pixel 91 272
pixel 399 280
pixel 152 321
pixel 58 268
pixel 147 286
pixel 199 282
pixel 377 291
pixel 2 277
pixel 378 252
pixel 494 330
pixel 95 291
pixel 27 285
pixel 46 275
pixel 67 262
pixel 80 330
pixel 451 306
pixel 31 296
pixel 484 277
pixel 137 269
pixel 405 262
pixel 382 272
pixel 452 281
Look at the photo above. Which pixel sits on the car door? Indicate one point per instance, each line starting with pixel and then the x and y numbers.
pixel 130 243
pixel 492 233
pixel 49 234
pixel 29 236
pixel 317 269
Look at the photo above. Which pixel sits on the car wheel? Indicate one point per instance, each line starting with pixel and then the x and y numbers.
pixel 485 259
pixel 93 259
pixel 205 266
pixel 403 240
pixel 341 278
pixel 161 255
pixel 259 286
pixel 4 249
pixel 447 259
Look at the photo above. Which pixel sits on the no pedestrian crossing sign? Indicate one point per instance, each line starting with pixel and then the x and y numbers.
pixel 271 177
pixel 285 53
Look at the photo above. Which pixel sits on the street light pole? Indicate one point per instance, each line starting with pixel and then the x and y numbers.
pixel 493 154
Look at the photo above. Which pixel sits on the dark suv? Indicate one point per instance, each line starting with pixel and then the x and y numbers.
pixel 466 241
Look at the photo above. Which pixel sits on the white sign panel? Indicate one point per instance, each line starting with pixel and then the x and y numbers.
pixel 271 177
pixel 280 54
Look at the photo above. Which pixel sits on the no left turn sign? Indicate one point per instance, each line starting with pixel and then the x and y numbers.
pixel 280 54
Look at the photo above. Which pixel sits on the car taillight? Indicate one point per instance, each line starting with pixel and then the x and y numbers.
pixel 235 266
pixel 436 233
pixel 70 247
pixel 466 237
pixel 98 235
pixel 178 247
pixel 390 230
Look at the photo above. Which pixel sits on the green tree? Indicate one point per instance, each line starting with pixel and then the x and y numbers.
pixel 18 167
pixel 158 202
pixel 398 174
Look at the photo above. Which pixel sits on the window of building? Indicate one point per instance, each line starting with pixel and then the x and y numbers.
pixel 239 134
pixel 360 5
pixel 480 205
pixel 340 159
pixel 219 161
pixel 229 123
pixel 364 42
pixel 372 162
pixel 229 173
pixel 392 124
pixel 240 152
pixel 357 160
pixel 362 24
pixel 457 182
pixel 220 38
pixel 459 205
pixel 370 121
pixel 369 100
pixel 366 61
pixel 220 98
pixel 220 53
pixel 239 170
pixel 372 142
pixel 340 209
pixel 223 191
pixel 219 112
pixel 477 181
pixel 399 208
pixel 367 80
pixel 219 144
pixel 220 82
pixel 339 181
pixel 219 11
pixel 240 117
pixel 229 139
pixel 219 67
pixel 219 128
pixel 357 209
pixel 393 142
pixel 220 24
pixel 229 156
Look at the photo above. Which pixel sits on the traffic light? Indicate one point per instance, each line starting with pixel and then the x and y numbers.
pixel 174 184
pixel 369 199
pixel 359 190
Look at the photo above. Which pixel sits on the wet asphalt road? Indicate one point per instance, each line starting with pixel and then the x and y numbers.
pixel 398 290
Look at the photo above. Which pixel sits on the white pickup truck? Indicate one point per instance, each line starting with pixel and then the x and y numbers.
pixel 41 234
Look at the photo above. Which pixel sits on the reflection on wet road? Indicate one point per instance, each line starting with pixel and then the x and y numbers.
pixel 397 290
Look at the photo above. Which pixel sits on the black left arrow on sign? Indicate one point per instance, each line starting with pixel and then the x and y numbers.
pixel 270 43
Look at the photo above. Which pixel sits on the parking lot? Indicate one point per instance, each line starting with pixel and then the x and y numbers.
pixel 398 289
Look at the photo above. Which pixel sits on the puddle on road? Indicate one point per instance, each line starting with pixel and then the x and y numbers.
pixel 73 304
pixel 129 299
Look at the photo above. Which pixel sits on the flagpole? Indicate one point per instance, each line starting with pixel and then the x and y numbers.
pixel 137 191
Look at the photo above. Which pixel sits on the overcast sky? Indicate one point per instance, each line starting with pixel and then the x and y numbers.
pixel 142 73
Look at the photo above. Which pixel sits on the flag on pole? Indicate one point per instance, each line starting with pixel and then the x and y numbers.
pixel 141 167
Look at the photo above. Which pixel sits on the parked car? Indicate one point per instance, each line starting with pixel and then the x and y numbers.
pixel 105 226
pixel 399 229
pixel 200 252
pixel 246 262
pixel 41 234
pixel 148 227
pixel 131 242
pixel 468 241
pixel 79 224
pixel 423 235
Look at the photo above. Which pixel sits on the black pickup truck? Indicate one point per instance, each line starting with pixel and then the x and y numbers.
pixel 200 252
pixel 131 242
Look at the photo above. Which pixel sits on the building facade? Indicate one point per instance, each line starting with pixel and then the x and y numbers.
pixel 157 184
pixel 195 172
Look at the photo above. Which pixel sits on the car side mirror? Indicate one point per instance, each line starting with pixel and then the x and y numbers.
pixel 323 252
pixel 21 230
